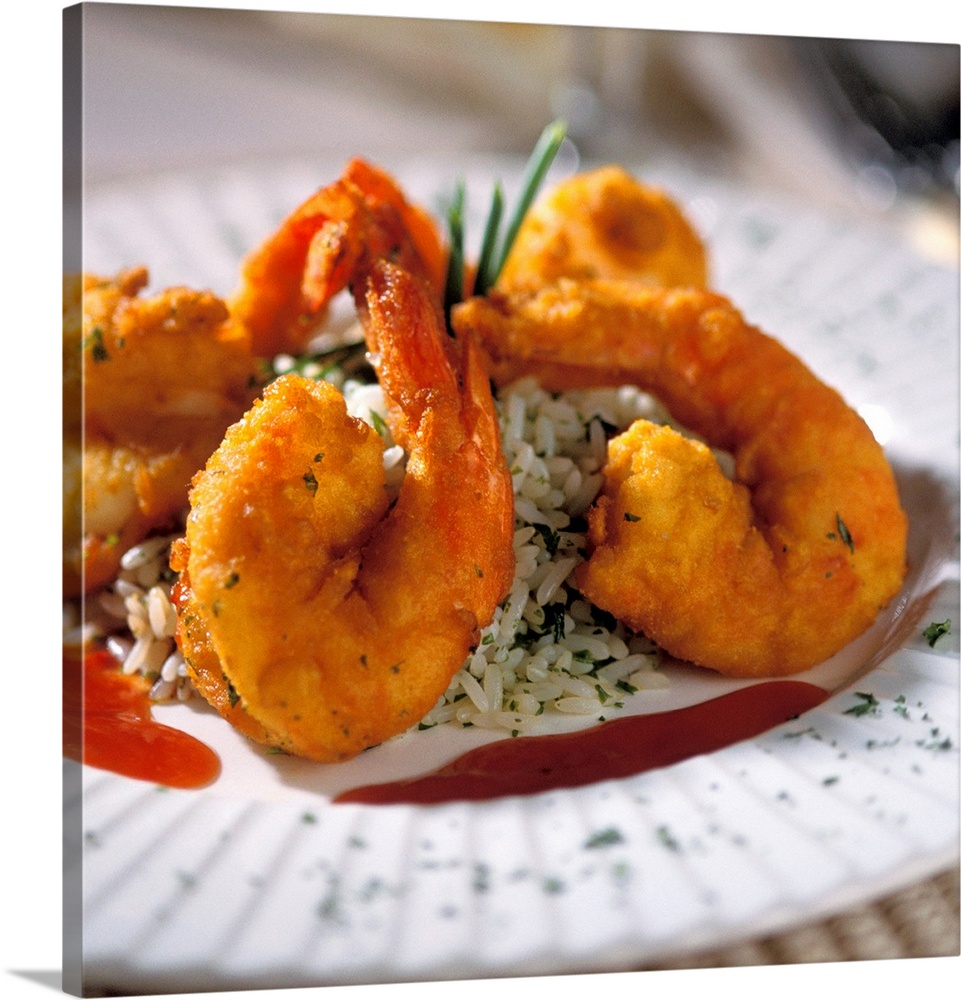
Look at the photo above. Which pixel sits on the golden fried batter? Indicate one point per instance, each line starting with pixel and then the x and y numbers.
pixel 605 224
pixel 338 622
pixel 163 377
pixel 765 576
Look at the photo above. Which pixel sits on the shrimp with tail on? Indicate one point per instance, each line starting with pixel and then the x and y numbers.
pixel 315 615
pixel 765 575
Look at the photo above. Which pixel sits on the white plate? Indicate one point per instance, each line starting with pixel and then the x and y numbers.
pixel 260 881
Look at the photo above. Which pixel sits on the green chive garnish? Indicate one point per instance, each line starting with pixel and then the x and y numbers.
pixel 454 290
pixel 486 276
pixel 537 166
pixel 494 249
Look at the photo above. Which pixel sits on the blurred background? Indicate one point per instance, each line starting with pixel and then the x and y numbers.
pixel 864 128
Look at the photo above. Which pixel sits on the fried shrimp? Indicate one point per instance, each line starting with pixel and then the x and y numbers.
pixel 287 282
pixel 765 575
pixel 605 224
pixel 163 377
pixel 327 616
pixel 72 434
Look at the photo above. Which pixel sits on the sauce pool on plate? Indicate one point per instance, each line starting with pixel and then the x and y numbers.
pixel 107 724
pixel 617 749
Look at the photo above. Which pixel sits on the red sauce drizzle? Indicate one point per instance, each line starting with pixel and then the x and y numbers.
pixel 616 749
pixel 107 724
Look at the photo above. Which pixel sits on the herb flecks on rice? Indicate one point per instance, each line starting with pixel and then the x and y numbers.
pixel 549 650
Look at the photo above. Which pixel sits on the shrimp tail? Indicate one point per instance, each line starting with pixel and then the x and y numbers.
pixel 322 247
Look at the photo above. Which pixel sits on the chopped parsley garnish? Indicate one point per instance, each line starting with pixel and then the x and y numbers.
pixel 554 621
pixel 936 743
pixel 604 838
pixel 935 630
pixel 310 480
pixel 94 342
pixel 551 538
pixel 232 696
pixel 844 533
pixel 665 836
pixel 553 885
pixel 481 881
pixel 869 705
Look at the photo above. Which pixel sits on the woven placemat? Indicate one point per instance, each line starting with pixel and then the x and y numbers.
pixel 918 922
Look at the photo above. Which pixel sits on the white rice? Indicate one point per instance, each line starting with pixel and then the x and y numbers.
pixel 136 619
pixel 547 649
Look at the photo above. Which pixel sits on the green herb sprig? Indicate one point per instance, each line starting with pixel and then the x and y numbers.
pixel 454 286
pixel 935 630
pixel 494 246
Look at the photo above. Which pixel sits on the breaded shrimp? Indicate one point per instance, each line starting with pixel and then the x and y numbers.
pixel 287 282
pixel 605 224
pixel 72 433
pixel 200 657
pixel 163 377
pixel 764 576
pixel 337 620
